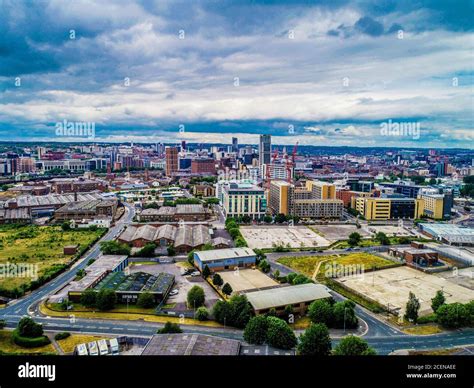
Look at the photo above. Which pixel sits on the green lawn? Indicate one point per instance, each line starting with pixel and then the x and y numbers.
pixel 41 245
pixel 307 265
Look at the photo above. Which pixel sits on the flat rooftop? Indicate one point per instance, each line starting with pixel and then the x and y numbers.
pixel 222 254
pixel 283 296
pixel 190 345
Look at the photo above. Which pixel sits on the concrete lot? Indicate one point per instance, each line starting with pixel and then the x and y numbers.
pixel 463 277
pixel 339 232
pixel 297 236
pixel 182 283
pixel 247 279
pixel 393 286
pixel 389 230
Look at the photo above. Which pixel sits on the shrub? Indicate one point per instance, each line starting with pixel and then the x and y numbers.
pixel 146 300
pixel 202 314
pixel 227 289
pixel 320 311
pixel 106 300
pixel 29 328
pixel 170 328
pixel 353 346
pixel 89 298
pixel 29 342
pixel 62 335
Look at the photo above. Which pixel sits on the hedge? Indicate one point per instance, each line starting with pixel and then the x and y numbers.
pixel 26 342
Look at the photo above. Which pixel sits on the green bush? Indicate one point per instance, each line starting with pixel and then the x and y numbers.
pixel 196 297
pixel 146 300
pixel 202 314
pixel 62 335
pixel 29 342
pixel 170 328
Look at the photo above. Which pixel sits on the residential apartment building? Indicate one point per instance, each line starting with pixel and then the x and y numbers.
pixel 172 163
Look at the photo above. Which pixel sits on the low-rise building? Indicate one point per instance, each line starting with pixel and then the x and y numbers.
pixel 299 297
pixel 225 259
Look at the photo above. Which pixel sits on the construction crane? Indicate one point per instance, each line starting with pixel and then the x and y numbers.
pixel 290 164
pixel 268 168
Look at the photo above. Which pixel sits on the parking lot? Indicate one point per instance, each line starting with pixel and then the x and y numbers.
pixel 247 279
pixel 297 236
pixel 182 283
pixel 392 286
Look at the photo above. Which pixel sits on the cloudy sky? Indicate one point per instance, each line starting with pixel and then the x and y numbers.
pixel 327 72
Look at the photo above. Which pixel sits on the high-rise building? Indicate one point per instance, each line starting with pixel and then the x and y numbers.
pixel 264 149
pixel 243 199
pixel 235 144
pixel 203 166
pixel 171 156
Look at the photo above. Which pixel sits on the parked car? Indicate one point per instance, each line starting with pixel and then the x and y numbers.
pixel 195 273
pixel 174 292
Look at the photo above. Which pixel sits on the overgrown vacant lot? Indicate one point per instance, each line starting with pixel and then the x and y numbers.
pixel 41 245
pixel 307 265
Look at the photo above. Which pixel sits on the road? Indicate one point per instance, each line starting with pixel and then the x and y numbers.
pixel 383 337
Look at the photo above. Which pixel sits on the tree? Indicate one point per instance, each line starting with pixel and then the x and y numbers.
pixel 217 280
pixel 276 274
pixel 382 238
pixel 264 266
pixel 146 300
pixel 240 242
pixel 256 330
pixel 89 298
pixel 206 272
pixel 66 226
pixel 354 239
pixel 170 328
pixel 453 315
pixel 227 289
pixel 236 312
pixel 196 297
pixel 171 250
pixel 353 346
pixel 29 328
pixel 147 251
pixel 106 299
pixel 315 341
pixel 114 248
pixel 320 311
pixel 191 257
pixel 412 307
pixel 300 279
pixel 202 314
pixel 279 334
pixel 438 300
pixel 288 312
pixel 234 233
pixel 344 315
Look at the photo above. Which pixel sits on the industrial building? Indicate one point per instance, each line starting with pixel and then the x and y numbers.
pixel 87 210
pixel 449 233
pixel 223 259
pixel 299 297
pixel 175 213
pixel 183 237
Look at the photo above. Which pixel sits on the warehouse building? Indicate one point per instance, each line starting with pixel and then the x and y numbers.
pixel 299 297
pixel 223 259
pixel 449 234
pixel 175 213
pixel 184 237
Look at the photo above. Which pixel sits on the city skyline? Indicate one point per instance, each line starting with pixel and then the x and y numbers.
pixel 318 73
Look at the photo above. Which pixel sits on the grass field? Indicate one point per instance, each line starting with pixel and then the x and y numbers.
pixel 307 265
pixel 8 346
pixel 120 313
pixel 423 330
pixel 39 245
pixel 68 344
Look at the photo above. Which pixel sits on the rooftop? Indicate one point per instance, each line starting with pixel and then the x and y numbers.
pixel 283 296
pixel 190 345
pixel 222 254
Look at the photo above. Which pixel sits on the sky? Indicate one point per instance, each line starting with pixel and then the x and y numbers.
pixel 329 72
